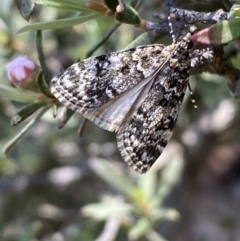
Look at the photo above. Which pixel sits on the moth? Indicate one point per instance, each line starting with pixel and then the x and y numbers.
pixel 136 93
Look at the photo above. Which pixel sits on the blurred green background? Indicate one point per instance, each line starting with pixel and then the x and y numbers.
pixel 56 186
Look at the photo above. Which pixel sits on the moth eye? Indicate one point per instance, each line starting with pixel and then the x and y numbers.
pixel 190 45
pixel 163 102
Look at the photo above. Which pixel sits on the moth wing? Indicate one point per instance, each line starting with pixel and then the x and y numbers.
pixel 143 137
pixel 107 88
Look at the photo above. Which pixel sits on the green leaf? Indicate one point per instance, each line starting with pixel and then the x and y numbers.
pixel 17 95
pixel 165 214
pixel 66 5
pixel 139 229
pixel 220 33
pixel 108 208
pixel 43 75
pixel 20 135
pixel 129 15
pixel 147 183
pixel 64 117
pixel 113 175
pixel 63 23
pixel 25 112
pixel 234 11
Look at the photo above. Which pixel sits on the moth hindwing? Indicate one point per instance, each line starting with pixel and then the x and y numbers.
pixel 136 92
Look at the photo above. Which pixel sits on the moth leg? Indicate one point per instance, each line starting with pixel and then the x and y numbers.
pixel 199 57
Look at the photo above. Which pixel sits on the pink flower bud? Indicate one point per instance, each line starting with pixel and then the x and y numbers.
pixel 22 72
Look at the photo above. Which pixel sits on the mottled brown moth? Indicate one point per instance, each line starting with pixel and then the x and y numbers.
pixel 136 93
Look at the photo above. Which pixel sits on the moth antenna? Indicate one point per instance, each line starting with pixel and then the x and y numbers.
pixel 170 24
pixel 192 99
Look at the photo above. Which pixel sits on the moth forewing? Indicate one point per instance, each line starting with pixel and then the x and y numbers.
pixel 113 114
pixel 105 88
pixel 142 139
